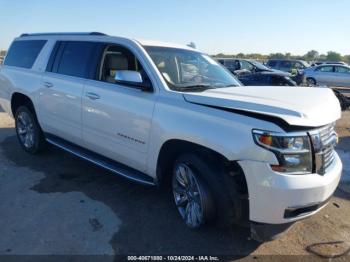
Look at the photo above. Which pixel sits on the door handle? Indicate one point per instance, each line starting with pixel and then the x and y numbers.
pixel 92 96
pixel 48 84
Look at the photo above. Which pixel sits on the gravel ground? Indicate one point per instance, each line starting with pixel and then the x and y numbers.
pixel 58 204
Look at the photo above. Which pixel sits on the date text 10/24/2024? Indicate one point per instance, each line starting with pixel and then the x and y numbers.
pixel 173 258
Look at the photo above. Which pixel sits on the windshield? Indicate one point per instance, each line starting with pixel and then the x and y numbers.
pixel 186 70
pixel 305 64
pixel 259 65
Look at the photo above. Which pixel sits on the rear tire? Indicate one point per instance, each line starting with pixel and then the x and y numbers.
pixel 311 81
pixel 29 133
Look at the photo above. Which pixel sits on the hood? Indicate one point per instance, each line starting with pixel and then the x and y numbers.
pixel 298 106
pixel 275 72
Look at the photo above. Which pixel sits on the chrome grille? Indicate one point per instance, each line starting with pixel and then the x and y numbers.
pixel 324 140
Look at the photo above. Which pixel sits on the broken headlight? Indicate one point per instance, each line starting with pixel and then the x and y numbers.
pixel 293 151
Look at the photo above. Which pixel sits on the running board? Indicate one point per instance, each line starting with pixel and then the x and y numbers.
pixel 106 163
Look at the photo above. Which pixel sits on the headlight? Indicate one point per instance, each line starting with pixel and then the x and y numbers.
pixel 293 151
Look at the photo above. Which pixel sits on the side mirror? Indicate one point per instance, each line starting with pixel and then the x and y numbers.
pixel 132 78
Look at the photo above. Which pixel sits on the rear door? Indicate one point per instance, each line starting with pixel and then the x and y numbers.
pixel 343 75
pixel 62 88
pixel 325 75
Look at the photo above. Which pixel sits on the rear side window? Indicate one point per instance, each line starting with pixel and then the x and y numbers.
pixel 341 69
pixel 72 58
pixel 24 53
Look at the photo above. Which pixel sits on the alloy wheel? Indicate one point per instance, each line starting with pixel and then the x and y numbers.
pixel 187 195
pixel 25 129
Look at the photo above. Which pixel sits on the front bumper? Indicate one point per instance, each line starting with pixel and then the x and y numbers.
pixel 275 198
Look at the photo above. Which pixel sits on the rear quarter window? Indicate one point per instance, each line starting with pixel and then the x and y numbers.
pixel 24 53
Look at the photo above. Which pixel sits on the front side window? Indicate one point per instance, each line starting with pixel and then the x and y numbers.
pixel 187 70
pixel 118 58
pixel 272 63
pixel 299 65
pixel 325 69
pixel 286 64
pixel 232 64
pixel 246 65
pixel 24 53
pixel 259 65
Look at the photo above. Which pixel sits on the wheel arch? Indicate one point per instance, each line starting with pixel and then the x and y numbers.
pixel 18 99
pixel 234 178
pixel 174 147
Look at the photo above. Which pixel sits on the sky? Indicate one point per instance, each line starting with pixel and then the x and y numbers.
pixel 215 26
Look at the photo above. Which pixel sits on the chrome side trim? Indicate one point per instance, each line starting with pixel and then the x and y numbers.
pixel 99 163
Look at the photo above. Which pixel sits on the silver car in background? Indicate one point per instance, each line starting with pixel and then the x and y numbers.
pixel 328 74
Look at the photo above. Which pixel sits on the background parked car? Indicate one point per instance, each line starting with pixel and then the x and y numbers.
pixel 328 62
pixel 266 79
pixel 255 73
pixel 287 65
pixel 331 75
pixel 242 66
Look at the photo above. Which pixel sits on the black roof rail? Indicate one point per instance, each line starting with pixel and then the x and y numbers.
pixel 68 33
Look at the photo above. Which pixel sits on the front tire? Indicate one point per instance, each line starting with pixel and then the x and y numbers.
pixel 192 196
pixel 29 133
pixel 342 100
pixel 219 193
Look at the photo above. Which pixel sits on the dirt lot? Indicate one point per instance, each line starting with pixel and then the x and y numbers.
pixel 58 204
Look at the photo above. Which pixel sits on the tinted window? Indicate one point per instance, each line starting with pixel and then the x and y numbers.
pixel 74 58
pixel 24 53
pixel 221 61
pixel 272 63
pixel 286 64
pixel 231 64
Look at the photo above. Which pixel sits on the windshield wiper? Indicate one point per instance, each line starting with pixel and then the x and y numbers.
pixel 232 85
pixel 193 88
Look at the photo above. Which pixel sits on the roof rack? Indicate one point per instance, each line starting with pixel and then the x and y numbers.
pixel 68 33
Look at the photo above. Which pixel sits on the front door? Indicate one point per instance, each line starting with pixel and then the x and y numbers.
pixel 117 118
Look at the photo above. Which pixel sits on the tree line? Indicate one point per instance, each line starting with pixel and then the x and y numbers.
pixel 310 56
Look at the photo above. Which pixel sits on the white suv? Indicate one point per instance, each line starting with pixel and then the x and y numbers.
pixel 165 114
